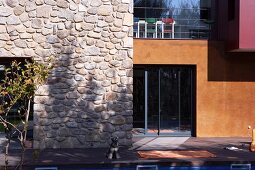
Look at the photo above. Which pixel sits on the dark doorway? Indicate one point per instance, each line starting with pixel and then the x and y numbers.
pixel 164 100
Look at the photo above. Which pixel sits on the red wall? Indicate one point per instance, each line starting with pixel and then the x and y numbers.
pixel 238 33
pixel 247 24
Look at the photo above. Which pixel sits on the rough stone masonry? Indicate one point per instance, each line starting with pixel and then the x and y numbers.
pixel 88 96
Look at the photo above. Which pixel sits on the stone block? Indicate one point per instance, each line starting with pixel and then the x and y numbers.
pixel 25 36
pixel 24 17
pixel 72 6
pixel 78 18
pixel 81 8
pixel 18 10
pixel 126 1
pixel 128 42
pixel 66 14
pixel 36 23
pixel 62 3
pixel 128 19
pixel 5 11
pixel 91 19
pixel 111 73
pixel 71 125
pixel 64 132
pixel 96 3
pixel 12 3
pixel 39 107
pixel 50 2
pixel 107 127
pixel 72 95
pixel 30 6
pixel 20 43
pixel 43 11
pixel 120 35
pixel 13 20
pixel 100 108
pixel 2 29
pixel 93 51
pixel 117 120
pixel 92 11
pixel 63 34
pixel 123 8
pixel 119 134
pixel 105 10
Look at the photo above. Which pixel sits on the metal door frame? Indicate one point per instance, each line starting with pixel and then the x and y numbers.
pixel 193 81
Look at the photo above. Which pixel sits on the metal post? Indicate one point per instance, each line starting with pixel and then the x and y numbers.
pixel 146 101
pixel 173 29
pixel 145 29
pixel 138 30
pixel 191 98
pixel 158 101
pixel 179 98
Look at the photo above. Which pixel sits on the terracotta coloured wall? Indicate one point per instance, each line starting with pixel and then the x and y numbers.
pixel 225 94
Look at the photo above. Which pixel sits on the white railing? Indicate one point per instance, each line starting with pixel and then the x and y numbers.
pixel 178 29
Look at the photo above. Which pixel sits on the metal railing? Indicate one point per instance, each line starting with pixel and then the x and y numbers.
pixel 186 24
pixel 179 29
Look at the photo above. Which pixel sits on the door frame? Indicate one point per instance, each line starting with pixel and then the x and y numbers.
pixel 193 102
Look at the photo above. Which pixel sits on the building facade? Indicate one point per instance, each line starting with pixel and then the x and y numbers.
pixel 88 96
pixel 196 78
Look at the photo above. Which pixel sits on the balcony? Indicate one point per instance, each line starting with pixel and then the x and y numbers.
pixel 176 19
pixel 170 28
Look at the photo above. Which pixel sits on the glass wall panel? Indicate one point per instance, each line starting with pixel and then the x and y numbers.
pixel 169 100
pixel 153 101
pixel 192 19
pixel 139 101
pixel 163 100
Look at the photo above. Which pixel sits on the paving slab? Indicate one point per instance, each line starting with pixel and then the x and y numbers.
pixel 129 157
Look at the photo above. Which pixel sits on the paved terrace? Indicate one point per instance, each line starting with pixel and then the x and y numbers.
pixel 129 157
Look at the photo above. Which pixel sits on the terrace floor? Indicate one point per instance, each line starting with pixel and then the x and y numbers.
pixel 129 157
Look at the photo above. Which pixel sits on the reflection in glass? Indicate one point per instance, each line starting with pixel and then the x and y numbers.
pixel 138 101
pixel 163 100
pixel 191 16
pixel 153 102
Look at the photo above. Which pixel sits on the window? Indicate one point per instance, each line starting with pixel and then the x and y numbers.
pixel 187 15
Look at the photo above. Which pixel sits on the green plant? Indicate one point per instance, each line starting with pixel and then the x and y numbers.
pixel 19 86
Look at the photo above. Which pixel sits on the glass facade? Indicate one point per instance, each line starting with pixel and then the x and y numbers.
pixel 164 100
pixel 176 19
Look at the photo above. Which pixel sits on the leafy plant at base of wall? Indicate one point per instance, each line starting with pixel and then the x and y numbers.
pixel 19 85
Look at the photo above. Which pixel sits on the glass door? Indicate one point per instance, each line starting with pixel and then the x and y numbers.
pixel 169 100
pixel 175 101
pixel 164 100
pixel 152 94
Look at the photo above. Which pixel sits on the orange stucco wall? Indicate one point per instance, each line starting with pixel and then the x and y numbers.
pixel 225 92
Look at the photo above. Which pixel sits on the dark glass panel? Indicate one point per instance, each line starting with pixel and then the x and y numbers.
pixel 170 97
pixel 139 8
pixel 139 104
pixel 186 99
pixel 169 112
pixel 153 100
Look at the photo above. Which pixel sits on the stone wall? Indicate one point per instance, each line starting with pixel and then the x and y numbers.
pixel 88 97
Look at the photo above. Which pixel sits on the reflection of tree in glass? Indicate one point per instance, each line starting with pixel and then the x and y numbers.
pixel 186 16
pixel 188 12
pixel 153 8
